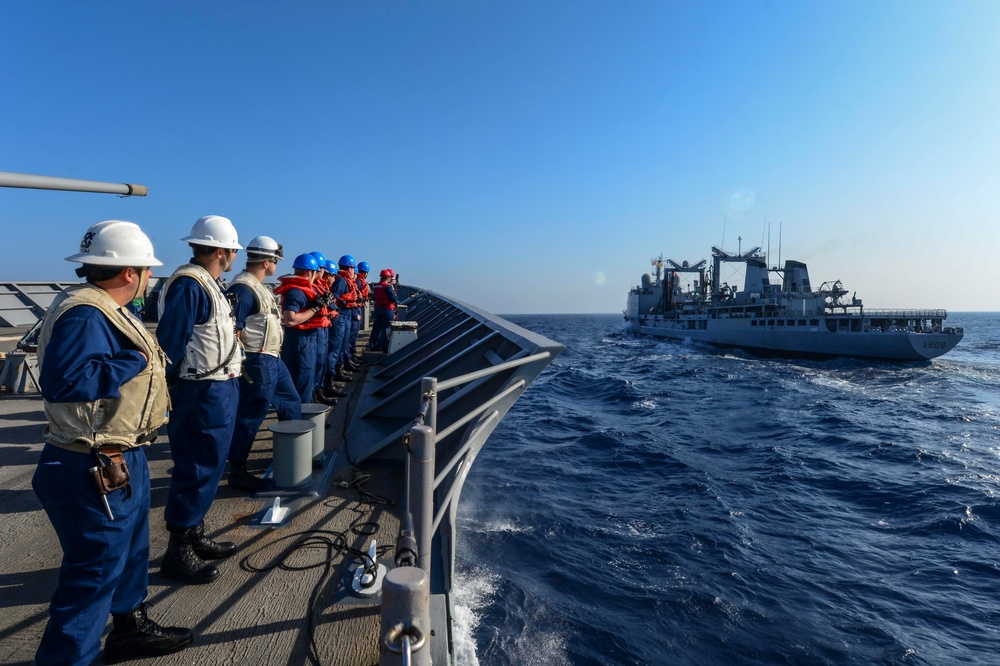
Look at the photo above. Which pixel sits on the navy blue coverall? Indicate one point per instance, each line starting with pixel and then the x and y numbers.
pixel 105 567
pixel 203 413
pixel 272 385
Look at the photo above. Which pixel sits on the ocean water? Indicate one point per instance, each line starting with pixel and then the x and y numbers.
pixel 657 502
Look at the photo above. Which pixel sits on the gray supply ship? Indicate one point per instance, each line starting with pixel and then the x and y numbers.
pixel 780 317
pixel 350 560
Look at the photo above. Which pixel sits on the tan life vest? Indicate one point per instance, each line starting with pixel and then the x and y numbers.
pixel 133 418
pixel 262 332
pixel 213 352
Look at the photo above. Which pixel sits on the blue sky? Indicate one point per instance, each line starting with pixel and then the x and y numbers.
pixel 521 156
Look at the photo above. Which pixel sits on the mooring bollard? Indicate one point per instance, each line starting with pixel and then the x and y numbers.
pixel 405 634
pixel 292 461
pixel 317 413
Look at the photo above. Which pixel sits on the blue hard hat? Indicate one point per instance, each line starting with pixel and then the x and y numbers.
pixel 363 267
pixel 320 259
pixel 347 261
pixel 306 261
pixel 330 267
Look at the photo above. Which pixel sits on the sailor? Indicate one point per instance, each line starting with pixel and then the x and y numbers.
pixel 345 293
pixel 197 332
pixel 300 314
pixel 265 380
pixel 385 310
pixel 322 287
pixel 105 394
pixel 361 280
pixel 331 389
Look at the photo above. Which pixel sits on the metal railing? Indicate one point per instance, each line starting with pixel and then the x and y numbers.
pixel 460 377
pixel 886 313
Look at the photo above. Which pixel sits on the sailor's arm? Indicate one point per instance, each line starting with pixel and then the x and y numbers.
pixel 295 309
pixel 84 361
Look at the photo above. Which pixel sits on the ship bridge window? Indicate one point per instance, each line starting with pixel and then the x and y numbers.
pixel 781 322
pixel 856 325
pixel 814 322
pixel 831 325
pixel 802 322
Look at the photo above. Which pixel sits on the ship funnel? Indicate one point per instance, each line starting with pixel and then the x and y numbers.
pixel 756 276
pixel 796 277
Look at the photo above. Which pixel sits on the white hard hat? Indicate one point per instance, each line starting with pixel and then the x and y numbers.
pixel 116 243
pixel 265 247
pixel 214 231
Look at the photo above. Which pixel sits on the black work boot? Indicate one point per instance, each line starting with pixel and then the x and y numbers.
pixel 135 636
pixel 241 479
pixel 342 375
pixel 320 397
pixel 207 549
pixel 183 564
pixel 331 390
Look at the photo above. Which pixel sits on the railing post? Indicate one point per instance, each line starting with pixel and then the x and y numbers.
pixel 405 633
pixel 422 491
pixel 428 391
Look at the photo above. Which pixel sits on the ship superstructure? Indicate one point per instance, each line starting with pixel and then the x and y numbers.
pixel 778 312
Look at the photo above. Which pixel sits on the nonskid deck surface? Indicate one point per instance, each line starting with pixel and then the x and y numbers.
pixel 255 612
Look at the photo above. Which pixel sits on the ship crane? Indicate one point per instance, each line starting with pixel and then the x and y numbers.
pixel 721 256
pixel 667 297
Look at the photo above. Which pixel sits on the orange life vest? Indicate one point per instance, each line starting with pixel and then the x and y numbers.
pixel 352 297
pixel 287 283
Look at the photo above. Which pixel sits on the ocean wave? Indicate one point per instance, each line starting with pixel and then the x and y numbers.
pixel 652 501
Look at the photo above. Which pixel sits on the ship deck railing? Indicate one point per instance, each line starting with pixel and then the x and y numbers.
pixel 888 313
pixel 428 409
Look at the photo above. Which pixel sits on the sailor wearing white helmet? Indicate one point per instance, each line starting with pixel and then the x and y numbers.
pixel 266 380
pixel 105 394
pixel 196 330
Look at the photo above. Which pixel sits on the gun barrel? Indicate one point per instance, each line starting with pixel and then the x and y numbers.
pixel 25 180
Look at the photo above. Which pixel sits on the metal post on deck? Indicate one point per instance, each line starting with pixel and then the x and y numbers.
pixel 406 618
pixel 422 491
pixel 428 392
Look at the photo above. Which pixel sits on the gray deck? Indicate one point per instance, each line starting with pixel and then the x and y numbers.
pixel 267 617
pixel 461 376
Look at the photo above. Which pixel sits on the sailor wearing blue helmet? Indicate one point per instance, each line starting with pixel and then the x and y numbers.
pixel 361 280
pixel 338 333
pixel 302 318
pixel 322 287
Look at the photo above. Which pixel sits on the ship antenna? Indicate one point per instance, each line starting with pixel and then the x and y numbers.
pixel 725 219
pixel 779 243
pixel 768 228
